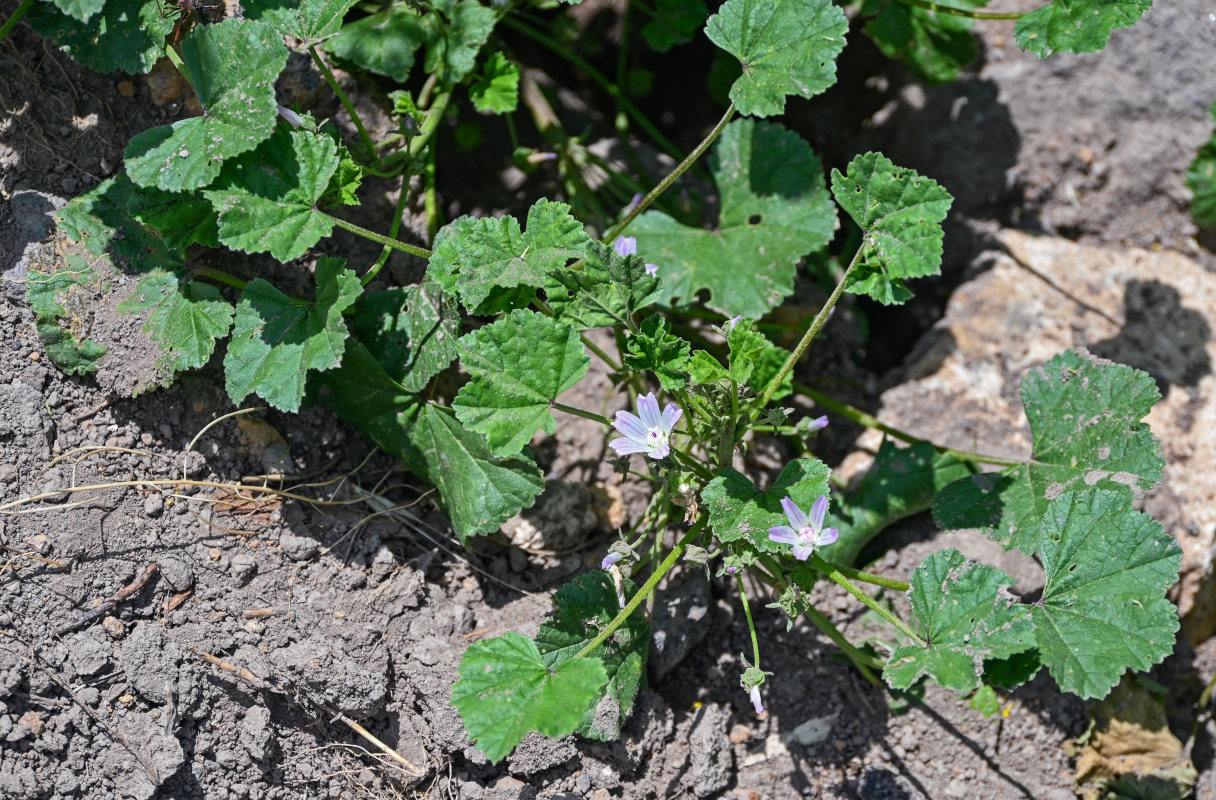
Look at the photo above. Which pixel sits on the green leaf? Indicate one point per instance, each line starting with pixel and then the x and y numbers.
pixel 739 511
pixel 584 608
pixel 505 691
pixel 451 49
pixel 902 482
pixel 784 46
pixel 935 46
pixel 477 256
pixel 775 209
pixel 753 361
pixel 675 22
pixel 126 36
pixel 1201 180
pixel 384 43
pixel 519 365
pixel 179 218
pixel 344 184
pixel 656 348
pixel 233 65
pixel 59 300
pixel 966 616
pixel 412 331
pixel 81 10
pixel 497 89
pixel 1103 609
pixel 103 220
pixel 310 21
pixel 277 340
pixel 266 199
pixel 608 290
pixel 1075 26
pixel 186 320
pixel 900 215
pixel 1084 417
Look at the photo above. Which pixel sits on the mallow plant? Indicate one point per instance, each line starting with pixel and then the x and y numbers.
pixel 457 373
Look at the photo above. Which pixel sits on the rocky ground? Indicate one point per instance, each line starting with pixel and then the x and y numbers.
pixel 1070 229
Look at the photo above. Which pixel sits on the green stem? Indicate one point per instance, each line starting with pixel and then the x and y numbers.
pixel 379 239
pixel 645 591
pixel 820 319
pixel 835 574
pixel 600 353
pixel 431 195
pixel 964 12
pixel 392 232
pixel 350 108
pixel 751 626
pixel 861 660
pixel 869 421
pixel 578 412
pixel 869 577
pixel 425 132
pixel 615 91
pixel 671 178
pixel 693 464
pixel 220 277
pixel 176 61
pixel 21 11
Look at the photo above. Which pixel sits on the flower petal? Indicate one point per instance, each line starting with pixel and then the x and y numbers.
pixel 630 425
pixel 625 446
pixel 783 535
pixel 659 451
pixel 648 410
pixel 803 551
pixel 793 513
pixel 757 703
pixel 652 269
pixel 610 559
pixel 625 246
pixel 818 511
pixel 828 537
pixel 671 415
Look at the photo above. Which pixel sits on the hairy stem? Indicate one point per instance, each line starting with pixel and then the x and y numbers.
pixel 835 574
pixel 17 16
pixel 392 232
pixel 671 178
pixel 965 12
pixel 751 626
pixel 578 412
pixel 379 239
pixel 219 276
pixel 869 577
pixel 350 108
pixel 645 591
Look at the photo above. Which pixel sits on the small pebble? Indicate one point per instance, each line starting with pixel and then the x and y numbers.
pixel 114 627
pixel 127 700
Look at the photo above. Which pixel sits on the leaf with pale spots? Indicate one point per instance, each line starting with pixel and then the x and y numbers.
pixel 117 36
pixel 1075 26
pixel 740 511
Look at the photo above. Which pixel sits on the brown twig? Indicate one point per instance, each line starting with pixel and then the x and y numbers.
pixel 119 596
pixel 245 674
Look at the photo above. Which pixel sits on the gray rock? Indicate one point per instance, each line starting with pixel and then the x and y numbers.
pixel 244 566
pixel 537 753
pixel 681 620
pixel 23 416
pixel 255 733
pixel 177 573
pixel 343 684
pixel 52 480
pixel 149 660
pixel 88 654
pixel 298 548
pixel 19 783
pixel 711 760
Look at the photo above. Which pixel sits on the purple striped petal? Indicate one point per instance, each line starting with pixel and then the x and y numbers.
pixel 793 513
pixel 625 246
pixel 648 410
pixel 803 551
pixel 671 415
pixel 627 447
pixel 630 425
pixel 783 535
pixel 828 537
pixel 818 511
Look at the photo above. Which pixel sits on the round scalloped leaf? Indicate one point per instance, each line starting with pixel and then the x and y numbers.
pixel 187 317
pixel 384 43
pixel 497 90
pixel 233 65
pixel 105 220
pixel 1075 26
pixel 1103 609
pixel 784 46
pixel 126 36
pixel 519 364
pixel 900 214
pixel 310 21
pixel 965 619
pixel 656 348
pixel 739 511
pixel 81 10
pixel 505 692
pixel 277 340
pixel 775 210
pixel 608 290
pixel 412 331
pixel 674 22
pixel 937 46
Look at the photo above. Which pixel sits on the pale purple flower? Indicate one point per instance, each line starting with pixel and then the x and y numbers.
pixel 731 570
pixel 625 246
pixel 733 321
pixel 633 203
pixel 756 701
pixel 611 559
pixel 649 431
pixel 652 269
pixel 291 116
pixel 804 533
pixel 818 424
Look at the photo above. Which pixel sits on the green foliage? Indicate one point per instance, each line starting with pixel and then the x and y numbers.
pixel 266 199
pixel 786 47
pixel 58 300
pixel 739 511
pixel 1103 609
pixel 232 65
pixel 497 88
pixel 80 10
pixel 584 608
pixel 607 290
pixel 901 482
pixel 1075 26
pixel 775 209
pixel 674 22
pixel 186 320
pixel 412 331
pixel 900 215
pixel 277 340
pixel 125 37
pixel 1201 180
pixel 753 361
pixel 1084 417
pixel 519 365
pixel 936 46
pixel 966 617
pixel 654 347
pixel 103 219
pixel 310 21
pixel 473 257
pixel 506 690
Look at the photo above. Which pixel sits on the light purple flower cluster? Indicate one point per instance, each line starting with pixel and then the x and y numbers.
pixel 804 533
pixel 648 433
pixel 628 246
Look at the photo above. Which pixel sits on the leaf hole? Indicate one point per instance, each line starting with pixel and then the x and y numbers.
pixel 754 219
pixel 1072 568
